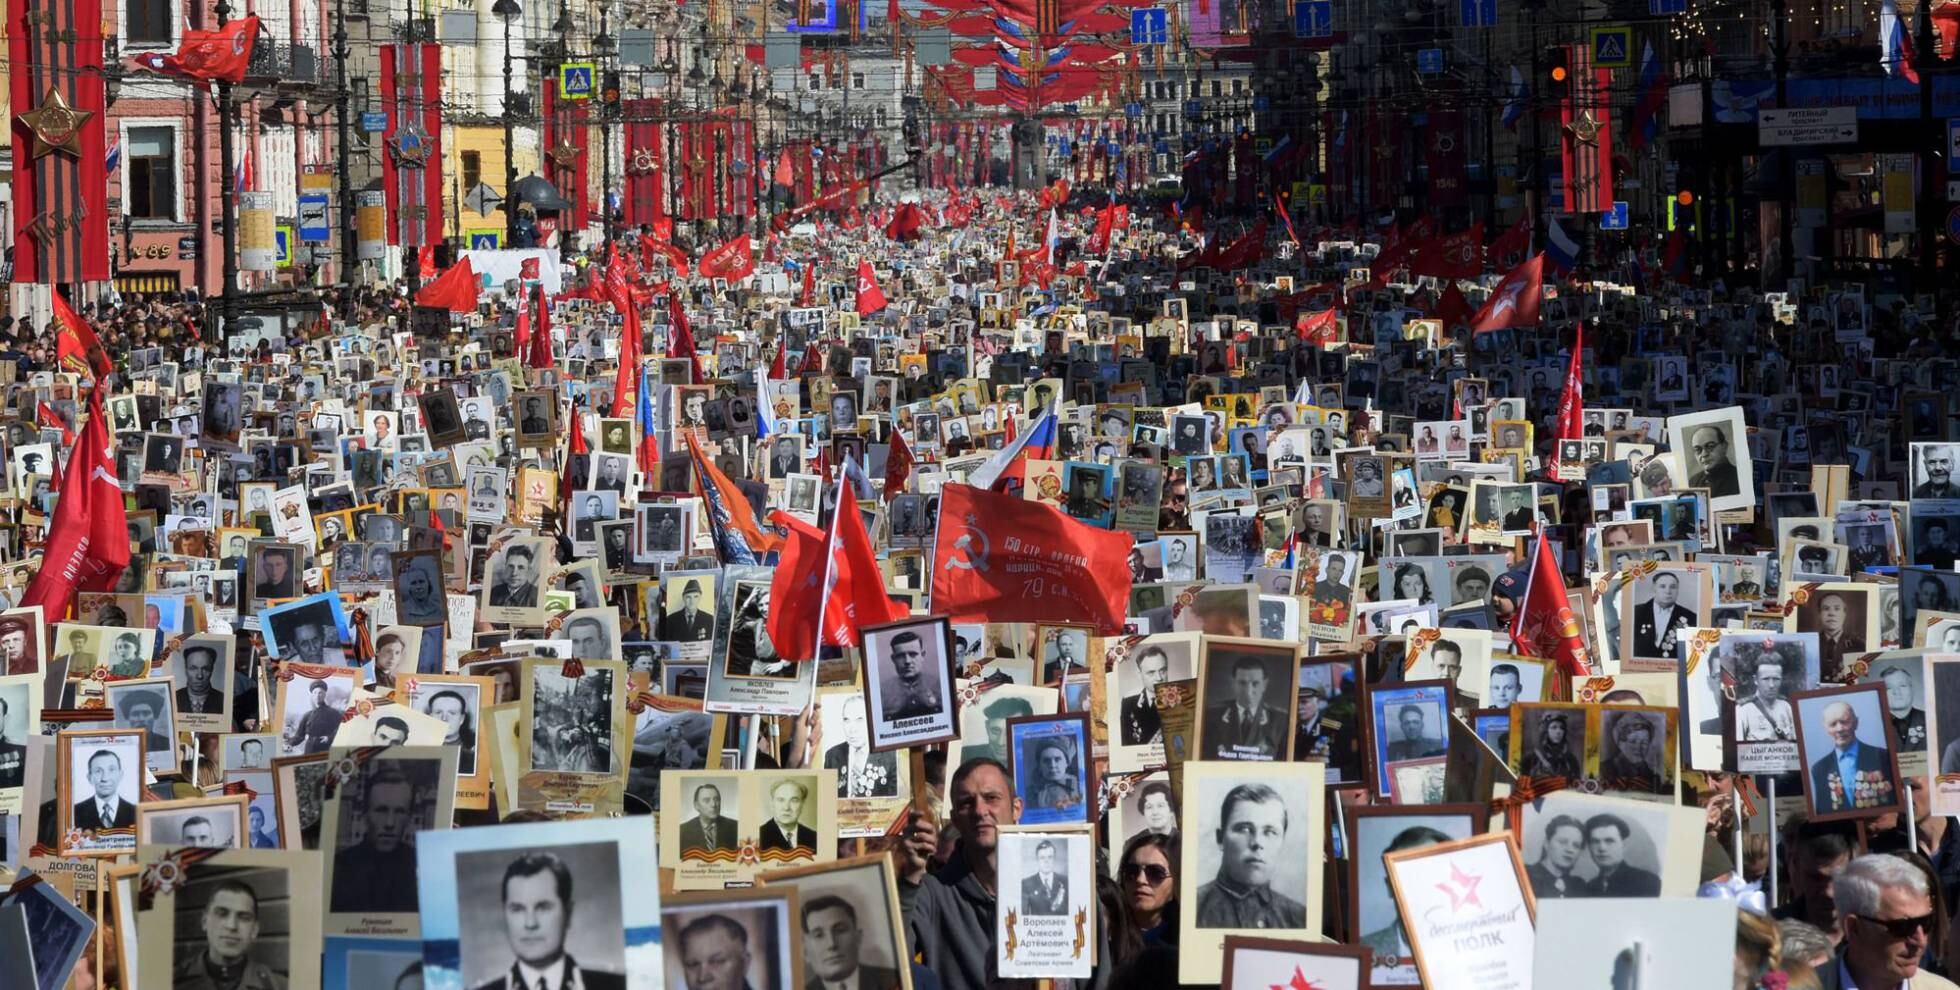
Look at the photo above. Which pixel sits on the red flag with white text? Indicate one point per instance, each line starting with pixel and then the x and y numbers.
pixel 1003 558
pixel 870 298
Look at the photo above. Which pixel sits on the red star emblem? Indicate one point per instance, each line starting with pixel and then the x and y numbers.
pixel 1298 982
pixel 1464 882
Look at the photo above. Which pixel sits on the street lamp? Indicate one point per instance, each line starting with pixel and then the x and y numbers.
pixel 509 11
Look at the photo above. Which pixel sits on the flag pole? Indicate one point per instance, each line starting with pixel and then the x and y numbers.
pixel 829 564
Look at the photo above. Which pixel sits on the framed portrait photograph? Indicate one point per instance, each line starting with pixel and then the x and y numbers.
pixel 309 630
pixel 1406 721
pixel 1479 885
pixel 796 815
pixel 752 938
pixel 457 701
pixel 420 599
pixel 1846 618
pixel 1655 608
pixel 1673 943
pixel 201 680
pixel 513 579
pixel 1459 656
pixel 850 923
pixel 1372 833
pixel 1047 881
pixel 254 911
pixel 1146 803
pixel 145 706
pixel 1711 445
pixel 495 900
pixel 1766 669
pixel 1637 753
pixel 99 781
pixel 201 823
pixel 1576 844
pixel 908 676
pixel 1850 759
pixel 874 787
pixel 1245 703
pixel 983 723
pixel 371 824
pixel 1551 741
pixel 20 723
pixel 1136 731
pixel 1054 770
pixel 1253 828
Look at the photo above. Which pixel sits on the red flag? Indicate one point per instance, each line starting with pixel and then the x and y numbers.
pixel 1321 329
pixel 1453 256
pixel 1570 421
pixel 454 290
pixel 575 446
pixel 52 419
pixel 1512 247
pixel 734 260
pixel 898 465
pixel 831 578
pixel 540 356
pixel 870 298
pixel 809 296
pixel 88 538
pixel 906 222
pixel 682 341
pixel 523 326
pixel 1544 625
pixel 779 368
pixel 1002 558
pixel 76 346
pixel 1514 303
pixel 207 55
pixel 719 492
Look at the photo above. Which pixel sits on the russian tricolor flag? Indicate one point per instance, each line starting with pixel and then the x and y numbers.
pixel 1895 53
pixel 1561 251
pixel 1038 442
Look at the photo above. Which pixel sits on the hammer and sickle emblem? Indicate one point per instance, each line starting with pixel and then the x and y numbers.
pixel 966 555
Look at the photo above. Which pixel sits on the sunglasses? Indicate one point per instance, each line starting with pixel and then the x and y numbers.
pixel 1903 928
pixel 1149 871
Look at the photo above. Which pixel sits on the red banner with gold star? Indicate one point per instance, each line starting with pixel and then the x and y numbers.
pixel 411 167
pixel 567 146
pixel 1586 136
pixel 646 175
pixel 61 183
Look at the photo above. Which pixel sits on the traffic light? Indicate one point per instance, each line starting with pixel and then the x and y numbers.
pixel 1558 71
pixel 609 92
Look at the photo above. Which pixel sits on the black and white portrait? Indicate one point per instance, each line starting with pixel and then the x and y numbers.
pixel 101 783
pixel 381 807
pixel 571 729
pixel 1249 836
pixel 1246 694
pixel 731 943
pixel 1578 845
pixel 547 909
pixel 244 922
pixel 1549 741
pixel 908 673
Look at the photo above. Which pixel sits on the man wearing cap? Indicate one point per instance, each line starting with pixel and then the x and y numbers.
pixel 316 728
pixel 139 711
pixel 688 624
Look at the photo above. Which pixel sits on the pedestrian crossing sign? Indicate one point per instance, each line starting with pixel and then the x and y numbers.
pixel 575 81
pixel 1612 46
pixel 486 240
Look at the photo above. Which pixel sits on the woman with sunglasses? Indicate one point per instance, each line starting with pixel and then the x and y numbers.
pixel 1148 875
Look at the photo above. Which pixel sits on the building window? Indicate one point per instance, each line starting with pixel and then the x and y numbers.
pixel 816 83
pixel 884 119
pixel 857 80
pixel 1238 87
pixel 1217 89
pixel 147 22
pixel 472 169
pixel 150 184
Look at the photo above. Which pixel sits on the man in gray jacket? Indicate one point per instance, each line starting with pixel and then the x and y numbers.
pixel 949 914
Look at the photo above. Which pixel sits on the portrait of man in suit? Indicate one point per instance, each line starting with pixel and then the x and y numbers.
pixel 1416 743
pixel 1141 723
pixel 1045 892
pixel 198 696
pixel 1658 621
pixel 1856 773
pixel 517 585
pixel 1245 727
pixel 715 953
pixel 861 773
pixel 1708 448
pixel 105 806
pixel 833 942
pixel 708 830
pixel 538 904
pixel 689 623
pixel 785 830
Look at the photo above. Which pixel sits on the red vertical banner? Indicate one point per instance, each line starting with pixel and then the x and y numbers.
pixel 411 168
pixel 1444 152
pixel 697 167
pixel 739 195
pixel 1586 136
pixel 566 148
pixel 645 201
pixel 54 52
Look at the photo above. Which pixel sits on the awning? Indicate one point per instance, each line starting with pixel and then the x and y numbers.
pixel 148 282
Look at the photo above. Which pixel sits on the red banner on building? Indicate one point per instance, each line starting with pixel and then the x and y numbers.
pixel 567 146
pixel 411 168
pixel 61 182
pixel 645 200
pixel 1445 151
pixel 1586 136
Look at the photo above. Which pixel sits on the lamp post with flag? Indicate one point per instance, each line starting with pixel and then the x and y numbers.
pixel 509 11
pixel 228 182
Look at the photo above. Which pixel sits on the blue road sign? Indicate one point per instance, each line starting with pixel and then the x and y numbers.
pixel 314 227
pixel 1150 26
pixel 373 121
pixel 1615 218
pixel 1657 8
pixel 1429 61
pixel 1133 110
pixel 486 240
pixel 1313 18
pixel 1478 13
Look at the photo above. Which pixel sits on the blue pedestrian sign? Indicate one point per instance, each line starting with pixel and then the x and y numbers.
pixel 1657 8
pixel 575 81
pixel 1429 61
pixel 1313 18
pixel 373 121
pixel 1615 218
pixel 486 240
pixel 1150 26
pixel 1478 13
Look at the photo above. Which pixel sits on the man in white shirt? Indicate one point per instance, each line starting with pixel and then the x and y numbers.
pixel 537 894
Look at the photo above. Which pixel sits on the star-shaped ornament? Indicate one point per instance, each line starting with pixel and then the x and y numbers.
pixel 56 125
